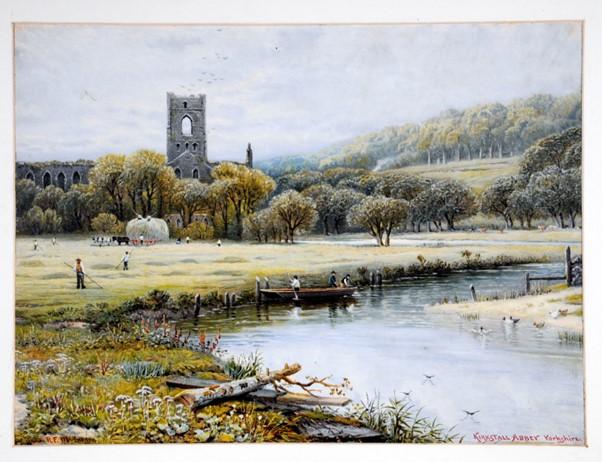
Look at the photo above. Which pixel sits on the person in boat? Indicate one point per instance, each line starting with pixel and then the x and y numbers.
pixel 346 280
pixel 332 280
pixel 296 286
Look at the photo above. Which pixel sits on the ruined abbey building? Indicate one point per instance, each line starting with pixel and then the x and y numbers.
pixel 60 174
pixel 187 138
pixel 186 149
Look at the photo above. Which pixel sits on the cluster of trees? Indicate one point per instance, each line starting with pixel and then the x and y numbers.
pixel 548 184
pixel 122 187
pixel 483 131
pixel 240 200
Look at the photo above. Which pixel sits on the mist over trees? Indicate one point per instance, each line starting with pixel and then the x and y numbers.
pixel 482 131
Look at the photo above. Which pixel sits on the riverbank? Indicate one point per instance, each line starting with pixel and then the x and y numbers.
pixel 44 282
pixel 530 308
pixel 74 386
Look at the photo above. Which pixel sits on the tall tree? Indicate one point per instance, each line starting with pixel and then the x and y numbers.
pixel 295 211
pixel 190 197
pixel 245 188
pixel 25 193
pixel 107 177
pixel 379 215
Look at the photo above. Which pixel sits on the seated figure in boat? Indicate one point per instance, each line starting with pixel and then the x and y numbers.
pixel 332 280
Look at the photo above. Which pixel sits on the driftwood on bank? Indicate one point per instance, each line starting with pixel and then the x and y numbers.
pixel 199 397
pixel 201 392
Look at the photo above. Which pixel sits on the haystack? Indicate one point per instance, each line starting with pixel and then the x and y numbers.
pixel 150 228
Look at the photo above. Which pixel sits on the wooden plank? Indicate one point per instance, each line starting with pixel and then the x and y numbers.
pixel 546 278
pixel 308 400
pixel 179 381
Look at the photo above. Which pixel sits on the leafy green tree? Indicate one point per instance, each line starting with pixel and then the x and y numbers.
pixel 522 204
pixel 342 201
pixel 558 193
pixel 105 223
pixel 26 191
pixel 49 197
pixel 562 151
pixel 245 188
pixel 107 178
pixel 455 199
pixel 33 221
pixel 52 222
pixel 322 195
pixel 495 200
pixel 190 197
pixel 379 215
pixel 295 211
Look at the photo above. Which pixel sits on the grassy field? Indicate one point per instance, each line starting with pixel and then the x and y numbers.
pixel 478 173
pixel 43 281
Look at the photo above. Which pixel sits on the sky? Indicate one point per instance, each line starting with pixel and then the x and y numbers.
pixel 86 90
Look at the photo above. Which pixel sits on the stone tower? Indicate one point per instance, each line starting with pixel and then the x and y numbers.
pixel 249 156
pixel 186 127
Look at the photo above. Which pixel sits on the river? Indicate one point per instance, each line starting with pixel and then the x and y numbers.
pixel 522 380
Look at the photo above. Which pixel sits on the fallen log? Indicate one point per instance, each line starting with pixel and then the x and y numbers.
pixel 199 397
pixel 179 381
pixel 301 399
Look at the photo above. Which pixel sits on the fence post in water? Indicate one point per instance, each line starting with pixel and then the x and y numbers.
pixel 232 299
pixel 372 279
pixel 227 299
pixel 379 279
pixel 527 284
pixel 568 267
pixel 473 293
pixel 257 290
pixel 267 282
pixel 197 304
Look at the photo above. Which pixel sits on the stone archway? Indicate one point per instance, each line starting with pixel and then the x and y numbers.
pixel 30 177
pixel 60 181
pixel 76 178
pixel 46 179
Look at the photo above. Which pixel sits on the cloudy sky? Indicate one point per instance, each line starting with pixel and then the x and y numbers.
pixel 83 91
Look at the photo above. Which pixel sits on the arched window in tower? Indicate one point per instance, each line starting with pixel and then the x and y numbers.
pixel 186 126
pixel 185 104
pixel 30 176
pixel 178 147
pixel 195 174
pixel 46 179
pixel 194 146
pixel 76 178
pixel 178 173
pixel 60 180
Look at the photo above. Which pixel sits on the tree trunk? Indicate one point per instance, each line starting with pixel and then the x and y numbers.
pixel 198 397
pixel 325 224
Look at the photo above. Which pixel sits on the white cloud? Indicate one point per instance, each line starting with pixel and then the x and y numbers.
pixel 86 90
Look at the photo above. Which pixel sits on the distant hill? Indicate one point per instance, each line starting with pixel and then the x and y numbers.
pixel 479 132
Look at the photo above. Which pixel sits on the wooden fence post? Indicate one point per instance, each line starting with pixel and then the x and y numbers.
pixel 267 282
pixel 527 284
pixel 257 290
pixel 232 299
pixel 372 279
pixel 227 299
pixel 379 279
pixel 473 293
pixel 568 267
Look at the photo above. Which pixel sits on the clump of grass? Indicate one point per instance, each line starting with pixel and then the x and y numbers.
pixel 142 369
pixel 570 336
pixel 244 366
pixel 470 316
pixel 399 421
pixel 575 299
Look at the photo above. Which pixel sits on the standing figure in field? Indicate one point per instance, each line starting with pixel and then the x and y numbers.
pixel 141 240
pixel 125 259
pixel 53 241
pixel 332 280
pixel 187 240
pixel 296 285
pixel 79 273
pixel 35 244
pixel 219 242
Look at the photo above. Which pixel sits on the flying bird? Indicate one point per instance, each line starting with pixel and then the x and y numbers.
pixel 85 93
pixel 406 393
pixel 428 378
pixel 470 414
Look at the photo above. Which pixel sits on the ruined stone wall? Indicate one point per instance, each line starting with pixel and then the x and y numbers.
pixel 59 174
